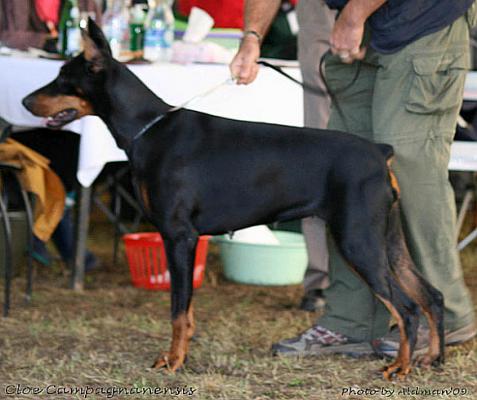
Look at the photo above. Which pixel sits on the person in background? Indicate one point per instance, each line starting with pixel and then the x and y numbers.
pixel 315 22
pixel 33 23
pixel 21 27
pixel 24 24
pixel 397 72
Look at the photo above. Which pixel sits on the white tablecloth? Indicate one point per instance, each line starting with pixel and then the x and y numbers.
pixel 470 90
pixel 272 98
pixel 463 156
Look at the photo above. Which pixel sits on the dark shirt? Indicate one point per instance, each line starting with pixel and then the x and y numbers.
pixel 400 22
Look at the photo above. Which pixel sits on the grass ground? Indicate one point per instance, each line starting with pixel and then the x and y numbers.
pixel 107 336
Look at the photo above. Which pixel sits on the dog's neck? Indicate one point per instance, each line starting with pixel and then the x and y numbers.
pixel 128 105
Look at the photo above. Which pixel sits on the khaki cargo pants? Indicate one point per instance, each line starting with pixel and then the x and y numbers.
pixel 409 99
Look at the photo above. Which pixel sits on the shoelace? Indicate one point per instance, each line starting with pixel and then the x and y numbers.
pixel 324 336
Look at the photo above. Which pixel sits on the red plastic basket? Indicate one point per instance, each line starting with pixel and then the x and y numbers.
pixel 148 263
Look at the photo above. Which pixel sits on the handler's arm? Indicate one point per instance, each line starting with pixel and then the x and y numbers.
pixel 348 30
pixel 259 15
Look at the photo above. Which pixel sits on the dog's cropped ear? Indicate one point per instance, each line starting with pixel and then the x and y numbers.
pixel 95 46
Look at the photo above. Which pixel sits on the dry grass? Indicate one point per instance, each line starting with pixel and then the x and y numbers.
pixel 109 334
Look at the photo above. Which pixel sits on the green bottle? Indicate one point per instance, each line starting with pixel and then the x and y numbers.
pixel 69 41
pixel 136 30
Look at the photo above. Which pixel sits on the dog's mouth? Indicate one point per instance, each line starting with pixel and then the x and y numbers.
pixel 62 118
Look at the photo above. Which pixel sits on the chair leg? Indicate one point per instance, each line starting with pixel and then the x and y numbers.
pixel 29 251
pixel 7 257
pixel 469 194
pixel 117 214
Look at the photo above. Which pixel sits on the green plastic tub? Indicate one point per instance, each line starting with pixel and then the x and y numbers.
pixel 264 264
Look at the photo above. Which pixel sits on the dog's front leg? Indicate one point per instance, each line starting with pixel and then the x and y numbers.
pixel 180 253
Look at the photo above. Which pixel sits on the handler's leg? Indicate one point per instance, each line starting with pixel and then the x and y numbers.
pixel 353 314
pixel 316 275
pixel 352 309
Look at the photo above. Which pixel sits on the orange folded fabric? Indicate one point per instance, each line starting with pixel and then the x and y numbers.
pixel 37 178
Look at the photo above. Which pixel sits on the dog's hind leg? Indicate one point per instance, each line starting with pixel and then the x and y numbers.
pixel 406 314
pixel 180 248
pixel 419 289
pixel 365 250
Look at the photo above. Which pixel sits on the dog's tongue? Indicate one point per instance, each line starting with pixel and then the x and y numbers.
pixel 61 118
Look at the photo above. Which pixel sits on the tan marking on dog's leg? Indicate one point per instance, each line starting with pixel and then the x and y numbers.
pixel 175 358
pixel 190 321
pixel 434 348
pixel 410 284
pixel 402 365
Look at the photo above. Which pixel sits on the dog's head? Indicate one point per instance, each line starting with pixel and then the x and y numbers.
pixel 71 95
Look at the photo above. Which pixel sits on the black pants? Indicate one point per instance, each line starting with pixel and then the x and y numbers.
pixel 60 147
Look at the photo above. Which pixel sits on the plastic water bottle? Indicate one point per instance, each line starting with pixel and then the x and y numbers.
pixel 159 31
pixel 116 26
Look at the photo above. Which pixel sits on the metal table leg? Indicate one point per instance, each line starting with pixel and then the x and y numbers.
pixel 82 225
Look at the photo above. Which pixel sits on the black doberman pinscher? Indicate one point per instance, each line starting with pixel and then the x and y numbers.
pixel 199 174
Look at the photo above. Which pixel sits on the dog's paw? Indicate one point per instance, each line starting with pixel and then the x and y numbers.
pixel 170 362
pixel 428 361
pixel 396 370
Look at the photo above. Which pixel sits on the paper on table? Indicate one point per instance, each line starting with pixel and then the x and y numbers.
pixel 199 25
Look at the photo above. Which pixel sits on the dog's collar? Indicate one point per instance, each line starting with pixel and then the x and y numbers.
pixel 155 120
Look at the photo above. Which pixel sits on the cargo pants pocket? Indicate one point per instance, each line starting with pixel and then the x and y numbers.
pixel 438 83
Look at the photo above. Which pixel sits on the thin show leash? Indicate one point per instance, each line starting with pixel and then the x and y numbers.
pixel 306 86
pixel 316 89
pixel 228 81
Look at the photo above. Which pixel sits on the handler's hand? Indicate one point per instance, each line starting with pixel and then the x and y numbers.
pixel 346 38
pixel 244 67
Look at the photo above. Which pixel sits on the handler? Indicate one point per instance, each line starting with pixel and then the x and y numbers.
pixel 408 60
